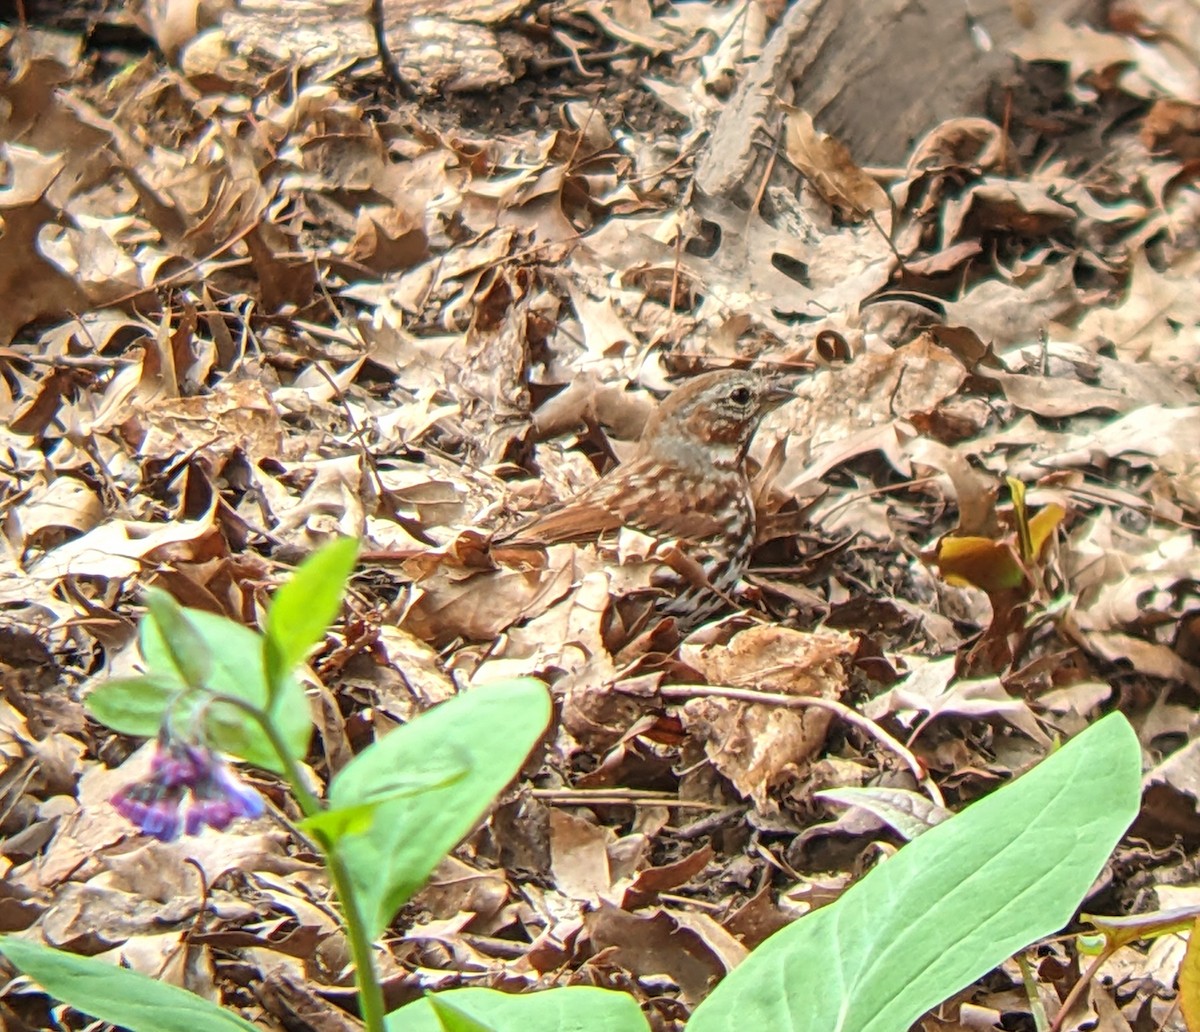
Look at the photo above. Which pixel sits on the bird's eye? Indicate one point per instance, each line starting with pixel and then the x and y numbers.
pixel 740 396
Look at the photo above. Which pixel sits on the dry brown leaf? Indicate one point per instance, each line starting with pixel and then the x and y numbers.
pixel 32 286
pixel 1157 321
pixel 827 164
pixel 237 416
pixel 389 238
pixel 171 23
pixel 992 205
pixel 122 549
pixel 456 887
pixel 65 508
pixel 843 412
pixel 758 746
pixel 579 856
pixel 692 956
pixel 480 607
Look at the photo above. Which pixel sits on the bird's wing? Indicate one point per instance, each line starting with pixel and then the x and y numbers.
pixel 588 515
pixel 635 499
pixel 609 504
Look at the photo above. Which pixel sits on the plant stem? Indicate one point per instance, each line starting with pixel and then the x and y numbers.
pixel 1040 1021
pixel 309 804
pixel 370 992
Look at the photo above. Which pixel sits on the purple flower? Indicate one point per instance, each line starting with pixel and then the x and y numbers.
pixel 219 798
pixel 176 763
pixel 152 806
pixel 178 768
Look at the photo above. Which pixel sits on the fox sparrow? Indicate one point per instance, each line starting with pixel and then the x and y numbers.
pixel 686 483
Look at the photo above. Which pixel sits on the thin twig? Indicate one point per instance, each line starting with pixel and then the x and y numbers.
pixel 617 797
pixel 198 922
pixel 1081 984
pixel 850 716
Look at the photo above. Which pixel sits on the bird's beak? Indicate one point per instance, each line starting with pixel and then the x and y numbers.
pixel 777 392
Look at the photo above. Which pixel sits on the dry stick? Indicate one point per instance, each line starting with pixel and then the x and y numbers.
pixel 616 797
pixel 686 153
pixel 856 210
pixel 202 910
pixel 689 691
pixel 675 273
pixel 766 178
pixel 581 132
pixel 1084 491
pixel 887 240
pixel 191 267
pixel 572 48
pixel 1169 1016
pixel 1005 127
pixel 543 64
pixel 356 432
pixel 1084 981
pixel 808 560
pixel 858 496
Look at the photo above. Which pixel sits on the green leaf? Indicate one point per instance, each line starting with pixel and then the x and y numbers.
pixel 1189 980
pixel 949 906
pixel 488 731
pixel 305 606
pixel 578 1008
pixel 333 824
pixel 454 1020
pixel 1020 517
pixel 132 705
pixel 185 647
pixel 117 995
pixel 237 671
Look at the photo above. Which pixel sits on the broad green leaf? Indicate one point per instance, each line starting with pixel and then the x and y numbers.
pixel 1020 517
pixel 132 705
pixel 305 606
pixel 1041 527
pixel 949 906
pixel 454 1020
pixel 488 731
pixel 336 823
pixel 188 651
pixel 238 671
pixel 117 995
pixel 569 1009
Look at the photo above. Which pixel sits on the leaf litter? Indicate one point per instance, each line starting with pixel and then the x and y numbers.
pixel 253 300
